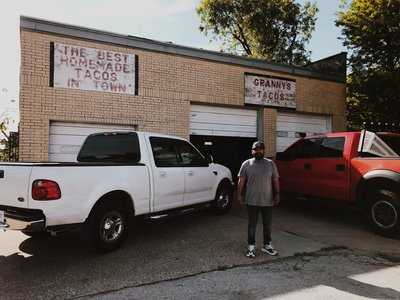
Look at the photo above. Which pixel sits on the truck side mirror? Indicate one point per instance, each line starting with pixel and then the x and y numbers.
pixel 210 159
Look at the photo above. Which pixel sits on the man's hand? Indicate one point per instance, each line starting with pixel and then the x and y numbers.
pixel 277 199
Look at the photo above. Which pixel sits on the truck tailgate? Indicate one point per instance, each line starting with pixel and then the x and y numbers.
pixel 14 184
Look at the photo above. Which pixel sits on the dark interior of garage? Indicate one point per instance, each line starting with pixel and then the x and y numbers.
pixel 227 151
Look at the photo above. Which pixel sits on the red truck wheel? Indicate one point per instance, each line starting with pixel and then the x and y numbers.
pixel 384 212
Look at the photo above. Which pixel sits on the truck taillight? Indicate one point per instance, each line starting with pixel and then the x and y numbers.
pixel 45 190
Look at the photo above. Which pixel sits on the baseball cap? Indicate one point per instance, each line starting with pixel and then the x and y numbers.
pixel 258 144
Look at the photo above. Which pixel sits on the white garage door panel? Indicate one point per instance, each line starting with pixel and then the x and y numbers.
pixel 221 121
pixel 216 118
pixel 67 138
pixel 289 124
pixel 226 127
pixel 62 157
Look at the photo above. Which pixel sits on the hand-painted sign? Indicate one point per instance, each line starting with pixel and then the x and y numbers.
pixel 92 69
pixel 270 91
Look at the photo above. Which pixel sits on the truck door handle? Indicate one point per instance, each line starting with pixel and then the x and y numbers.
pixel 190 173
pixel 307 166
pixel 1 173
pixel 163 174
pixel 340 168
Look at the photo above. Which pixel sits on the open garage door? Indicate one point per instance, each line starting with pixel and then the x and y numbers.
pixel 226 133
pixel 290 127
pixel 67 138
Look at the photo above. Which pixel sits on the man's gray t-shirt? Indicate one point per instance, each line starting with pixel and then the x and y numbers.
pixel 259 174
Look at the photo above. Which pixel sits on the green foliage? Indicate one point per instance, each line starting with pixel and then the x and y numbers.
pixel 371 30
pixel 277 30
pixel 8 144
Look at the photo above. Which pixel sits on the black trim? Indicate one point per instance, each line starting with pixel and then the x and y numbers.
pixel 23 214
pixel 136 75
pixel 51 73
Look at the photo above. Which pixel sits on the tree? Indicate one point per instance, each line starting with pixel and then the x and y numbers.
pixel 8 141
pixel 372 34
pixel 276 30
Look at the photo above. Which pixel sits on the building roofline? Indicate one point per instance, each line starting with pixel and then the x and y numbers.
pixel 41 25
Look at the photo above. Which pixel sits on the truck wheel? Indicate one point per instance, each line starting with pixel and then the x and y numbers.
pixel 223 198
pixel 384 212
pixel 106 228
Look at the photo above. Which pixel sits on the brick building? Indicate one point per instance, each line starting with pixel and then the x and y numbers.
pixel 75 81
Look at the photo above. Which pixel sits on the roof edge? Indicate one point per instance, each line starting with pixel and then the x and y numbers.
pixel 42 25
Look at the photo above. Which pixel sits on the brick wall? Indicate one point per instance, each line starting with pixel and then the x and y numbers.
pixel 167 86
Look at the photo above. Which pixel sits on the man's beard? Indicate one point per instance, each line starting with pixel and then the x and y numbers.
pixel 258 156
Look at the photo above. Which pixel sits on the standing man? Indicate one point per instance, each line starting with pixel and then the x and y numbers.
pixel 260 177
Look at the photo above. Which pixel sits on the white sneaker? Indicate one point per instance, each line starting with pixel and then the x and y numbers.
pixel 269 249
pixel 251 251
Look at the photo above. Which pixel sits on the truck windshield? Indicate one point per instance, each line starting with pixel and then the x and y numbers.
pixel 110 147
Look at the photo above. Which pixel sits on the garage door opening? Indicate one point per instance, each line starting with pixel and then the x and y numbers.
pixel 227 151
pixel 224 132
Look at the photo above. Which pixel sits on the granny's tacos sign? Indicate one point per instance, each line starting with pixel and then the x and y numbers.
pixel 270 91
pixel 90 69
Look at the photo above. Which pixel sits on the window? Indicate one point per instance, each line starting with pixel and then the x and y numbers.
pixel 332 147
pixel 306 148
pixel 164 152
pixel 190 156
pixel 393 141
pixel 110 147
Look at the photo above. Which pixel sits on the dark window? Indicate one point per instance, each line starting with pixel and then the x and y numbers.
pixel 305 148
pixel 190 156
pixel 110 147
pixel 393 141
pixel 164 152
pixel 332 147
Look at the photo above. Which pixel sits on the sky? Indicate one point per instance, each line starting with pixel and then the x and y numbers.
pixel 164 20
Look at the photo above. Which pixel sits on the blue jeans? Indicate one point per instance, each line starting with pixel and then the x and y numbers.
pixel 266 213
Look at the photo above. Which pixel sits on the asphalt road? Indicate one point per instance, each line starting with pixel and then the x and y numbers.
pixel 192 250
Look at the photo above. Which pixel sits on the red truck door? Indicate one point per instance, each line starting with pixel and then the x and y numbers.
pixel 295 166
pixel 330 170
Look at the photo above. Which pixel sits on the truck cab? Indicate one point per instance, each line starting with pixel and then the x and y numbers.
pixel 361 168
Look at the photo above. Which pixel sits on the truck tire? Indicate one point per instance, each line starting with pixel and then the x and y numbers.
pixel 384 212
pixel 223 198
pixel 106 227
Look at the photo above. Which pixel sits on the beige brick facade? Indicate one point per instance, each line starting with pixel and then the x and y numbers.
pixel 168 84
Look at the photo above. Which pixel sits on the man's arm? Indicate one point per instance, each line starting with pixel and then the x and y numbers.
pixel 241 182
pixel 275 187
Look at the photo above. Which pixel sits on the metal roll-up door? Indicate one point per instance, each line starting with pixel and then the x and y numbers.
pixel 222 121
pixel 290 127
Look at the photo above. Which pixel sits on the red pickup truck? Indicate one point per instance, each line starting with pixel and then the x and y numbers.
pixel 361 168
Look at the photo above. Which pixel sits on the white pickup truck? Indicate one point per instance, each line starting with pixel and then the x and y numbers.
pixel 117 176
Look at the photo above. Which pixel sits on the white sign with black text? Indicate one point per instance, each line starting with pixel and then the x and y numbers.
pixel 270 91
pixel 83 68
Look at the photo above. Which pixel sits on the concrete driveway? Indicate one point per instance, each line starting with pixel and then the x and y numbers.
pixel 180 247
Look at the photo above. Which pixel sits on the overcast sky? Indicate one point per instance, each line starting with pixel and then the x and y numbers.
pixel 163 20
